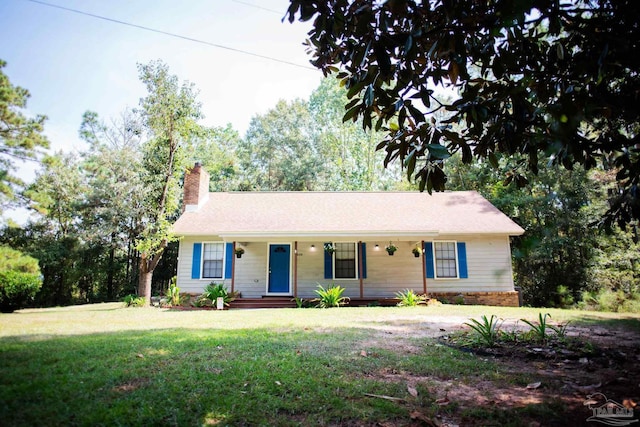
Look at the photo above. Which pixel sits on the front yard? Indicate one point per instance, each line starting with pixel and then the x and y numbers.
pixel 107 365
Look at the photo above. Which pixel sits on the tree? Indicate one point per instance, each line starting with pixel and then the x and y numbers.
pixel 57 194
pixel 112 214
pixel 347 151
pixel 169 113
pixel 278 152
pixel 20 136
pixel 539 80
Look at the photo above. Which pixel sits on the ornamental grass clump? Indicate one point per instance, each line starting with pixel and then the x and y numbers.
pixel 486 330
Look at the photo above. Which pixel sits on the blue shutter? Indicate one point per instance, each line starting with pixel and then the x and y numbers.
pixel 462 260
pixel 328 264
pixel 428 259
pixel 363 255
pixel 195 261
pixel 228 260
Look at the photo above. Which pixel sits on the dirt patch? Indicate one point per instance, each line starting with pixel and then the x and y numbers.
pixel 594 363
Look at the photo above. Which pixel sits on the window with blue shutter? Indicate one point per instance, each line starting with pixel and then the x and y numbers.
pixel 195 261
pixel 446 260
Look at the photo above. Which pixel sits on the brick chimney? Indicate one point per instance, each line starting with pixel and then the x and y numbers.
pixel 196 188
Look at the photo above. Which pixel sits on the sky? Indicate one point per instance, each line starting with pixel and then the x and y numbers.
pixel 71 62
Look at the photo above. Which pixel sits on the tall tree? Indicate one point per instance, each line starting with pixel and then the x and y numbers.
pixel 20 136
pixel 556 78
pixel 170 113
pixel 57 195
pixel 215 148
pixel 347 151
pixel 278 152
pixel 112 214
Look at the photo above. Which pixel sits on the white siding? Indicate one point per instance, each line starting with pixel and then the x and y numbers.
pixel 488 264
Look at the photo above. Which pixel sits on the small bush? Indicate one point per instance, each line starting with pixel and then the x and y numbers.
pixel 133 300
pixel 17 289
pixel 409 298
pixel 330 297
pixel 173 297
pixel 213 291
pixel 610 300
pixel 19 279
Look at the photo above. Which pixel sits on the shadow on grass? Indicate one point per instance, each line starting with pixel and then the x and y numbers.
pixel 224 377
pixel 624 322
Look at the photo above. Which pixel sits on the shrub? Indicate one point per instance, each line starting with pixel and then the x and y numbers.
pixel 133 300
pixel 173 297
pixel 213 291
pixel 20 279
pixel 17 289
pixel 409 298
pixel 610 300
pixel 330 297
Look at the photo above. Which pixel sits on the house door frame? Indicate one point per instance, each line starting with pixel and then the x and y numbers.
pixel 286 270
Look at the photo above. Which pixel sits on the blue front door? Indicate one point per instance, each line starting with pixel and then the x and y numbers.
pixel 279 268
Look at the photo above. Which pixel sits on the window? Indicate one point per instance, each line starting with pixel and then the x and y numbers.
pixel 345 261
pixel 212 260
pixel 445 254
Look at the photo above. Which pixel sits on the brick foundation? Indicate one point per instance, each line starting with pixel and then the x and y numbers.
pixel 503 299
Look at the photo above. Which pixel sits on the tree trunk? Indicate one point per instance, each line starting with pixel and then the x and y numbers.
pixel 144 283
pixel 110 269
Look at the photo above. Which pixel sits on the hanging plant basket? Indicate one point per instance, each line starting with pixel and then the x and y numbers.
pixel 416 252
pixel 239 252
pixel 391 249
pixel 329 248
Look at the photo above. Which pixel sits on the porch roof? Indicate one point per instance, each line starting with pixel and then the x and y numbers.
pixel 241 215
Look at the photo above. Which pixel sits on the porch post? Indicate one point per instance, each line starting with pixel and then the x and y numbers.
pixel 233 267
pixel 360 269
pixel 295 269
pixel 424 272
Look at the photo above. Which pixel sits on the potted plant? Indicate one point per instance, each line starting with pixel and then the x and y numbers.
pixel 329 248
pixel 239 252
pixel 391 248
pixel 416 251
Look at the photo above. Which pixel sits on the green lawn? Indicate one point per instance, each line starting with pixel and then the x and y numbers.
pixel 107 365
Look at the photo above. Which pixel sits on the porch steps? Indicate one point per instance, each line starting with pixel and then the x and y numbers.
pixel 288 302
pixel 264 302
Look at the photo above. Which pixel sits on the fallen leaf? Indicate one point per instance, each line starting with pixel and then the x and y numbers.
pixel 278 383
pixel 419 416
pixel 140 355
pixel 443 401
pixel 412 390
pixel 363 353
pixel 534 386
pixel 583 360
